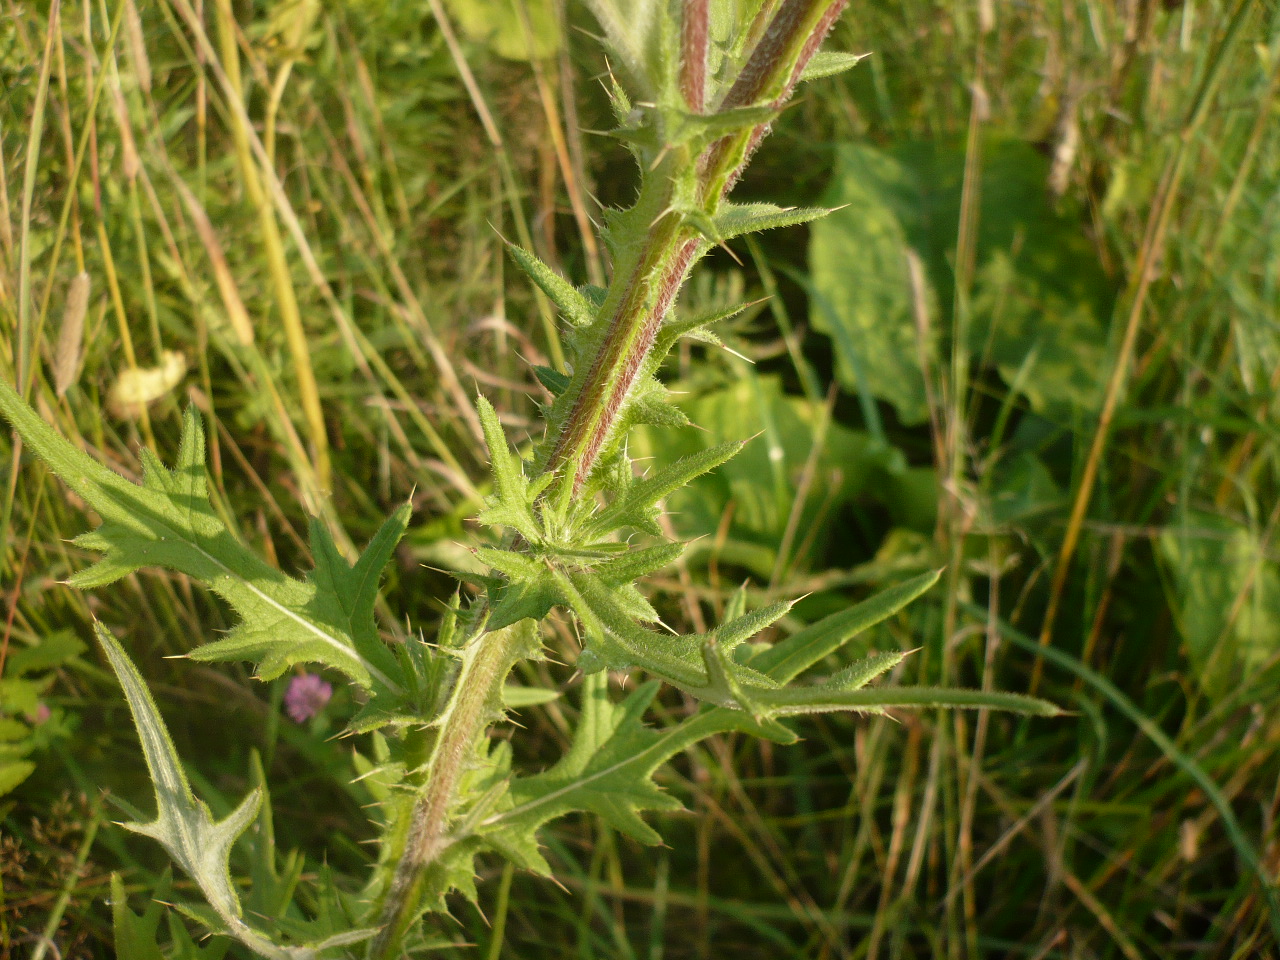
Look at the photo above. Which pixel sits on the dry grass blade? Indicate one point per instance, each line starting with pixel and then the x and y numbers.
pixel 67 352
pixel 237 315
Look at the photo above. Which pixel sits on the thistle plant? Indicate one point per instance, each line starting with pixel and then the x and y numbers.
pixel 696 85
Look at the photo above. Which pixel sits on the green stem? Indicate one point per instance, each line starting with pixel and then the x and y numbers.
pixel 649 274
pixel 487 660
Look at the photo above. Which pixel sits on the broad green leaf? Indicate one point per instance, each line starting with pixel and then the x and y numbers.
pixel 1224 591
pixel 1038 288
pixel 167 521
pixel 1047 343
pixel 861 293
pixel 501 25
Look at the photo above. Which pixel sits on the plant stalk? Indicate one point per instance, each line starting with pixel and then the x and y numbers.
pixel 646 281
pixel 488 658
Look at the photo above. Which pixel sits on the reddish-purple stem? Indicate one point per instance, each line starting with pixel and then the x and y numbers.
pixel 585 432
pixel 693 54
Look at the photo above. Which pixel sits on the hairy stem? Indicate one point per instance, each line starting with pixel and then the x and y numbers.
pixel 487 660
pixel 647 278
pixel 646 284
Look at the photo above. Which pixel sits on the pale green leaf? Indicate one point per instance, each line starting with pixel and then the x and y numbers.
pixel 183 825
pixel 575 307
pixel 828 63
pixel 503 27
pixel 736 219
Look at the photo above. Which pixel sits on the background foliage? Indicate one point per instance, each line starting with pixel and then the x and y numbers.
pixel 1045 206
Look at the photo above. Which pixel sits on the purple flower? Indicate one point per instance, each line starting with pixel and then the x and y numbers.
pixel 306 696
pixel 40 715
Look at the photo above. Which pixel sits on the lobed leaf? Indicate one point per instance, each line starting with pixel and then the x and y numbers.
pixel 168 521
pixel 183 825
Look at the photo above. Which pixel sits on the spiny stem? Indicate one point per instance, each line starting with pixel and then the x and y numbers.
pixel 643 290
pixel 655 275
pixel 488 659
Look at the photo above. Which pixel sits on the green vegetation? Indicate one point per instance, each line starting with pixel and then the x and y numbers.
pixel 1034 347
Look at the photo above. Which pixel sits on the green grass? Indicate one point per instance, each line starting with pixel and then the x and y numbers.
pixel 1087 836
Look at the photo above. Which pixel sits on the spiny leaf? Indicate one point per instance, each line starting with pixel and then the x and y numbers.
pixel 608 769
pixel 615 641
pixel 653 409
pixel 735 219
pixel 828 63
pixel 704 128
pixel 629 509
pixel 787 660
pixel 858 674
pixel 791 701
pixel 200 845
pixel 573 305
pixel 167 521
pixel 733 632
pixel 525 600
pixel 638 563
pixel 510 505
pixel 589 777
pixel 340 594
pixel 674 329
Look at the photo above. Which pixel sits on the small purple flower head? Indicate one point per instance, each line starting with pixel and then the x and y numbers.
pixel 40 715
pixel 306 696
